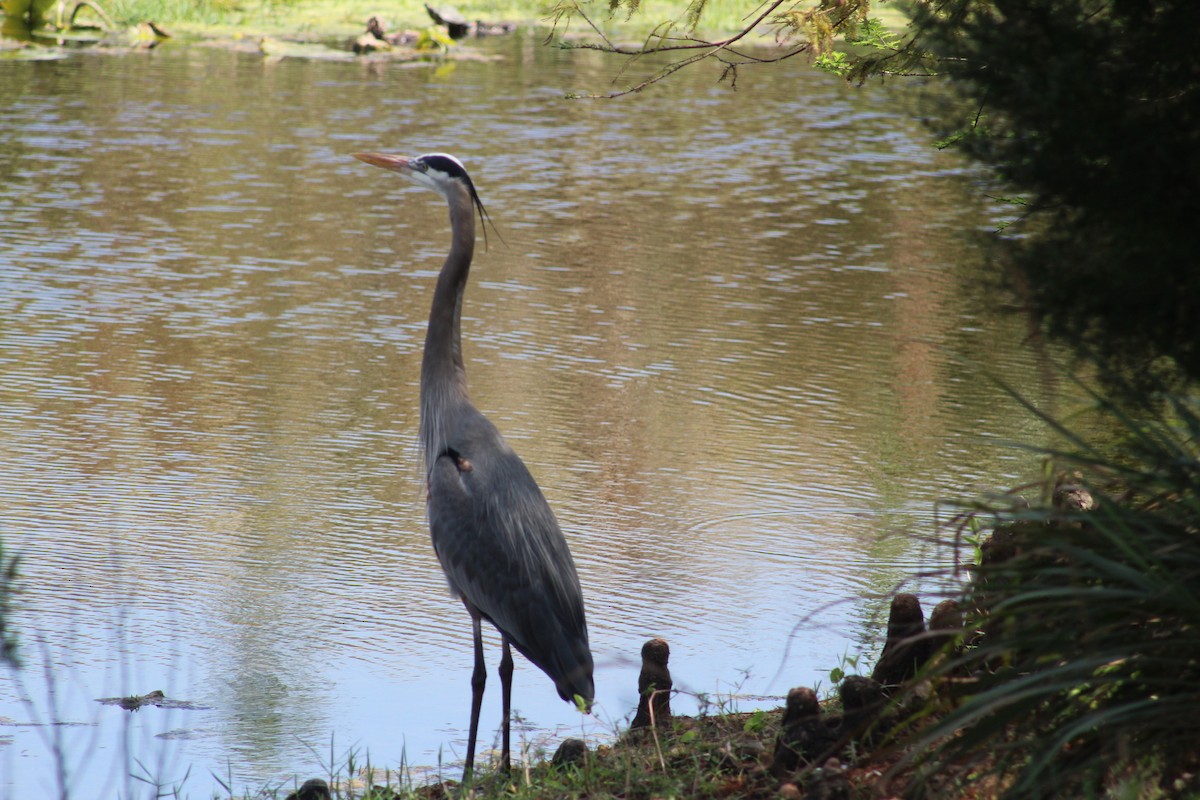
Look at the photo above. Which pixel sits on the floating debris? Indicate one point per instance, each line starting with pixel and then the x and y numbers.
pixel 181 734
pixel 155 698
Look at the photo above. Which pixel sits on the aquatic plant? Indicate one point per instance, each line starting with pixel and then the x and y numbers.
pixel 8 587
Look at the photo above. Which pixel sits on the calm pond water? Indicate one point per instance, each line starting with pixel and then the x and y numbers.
pixel 734 334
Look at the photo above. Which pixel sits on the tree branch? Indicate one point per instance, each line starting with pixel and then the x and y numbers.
pixel 824 20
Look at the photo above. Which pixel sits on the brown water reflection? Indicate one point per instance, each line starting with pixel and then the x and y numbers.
pixel 731 333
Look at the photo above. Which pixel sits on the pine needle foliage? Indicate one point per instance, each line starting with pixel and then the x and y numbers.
pixel 1092 108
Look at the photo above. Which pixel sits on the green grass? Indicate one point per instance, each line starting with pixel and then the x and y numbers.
pixel 319 18
pixel 322 19
pixel 718 755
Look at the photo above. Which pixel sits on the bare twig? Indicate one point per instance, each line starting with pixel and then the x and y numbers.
pixel 660 40
pixel 654 732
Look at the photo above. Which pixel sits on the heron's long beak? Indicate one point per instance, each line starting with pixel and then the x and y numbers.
pixel 394 163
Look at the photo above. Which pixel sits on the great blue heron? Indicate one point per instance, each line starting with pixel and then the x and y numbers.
pixel 494 534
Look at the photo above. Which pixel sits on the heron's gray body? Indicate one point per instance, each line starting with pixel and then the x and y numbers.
pixel 503 552
pixel 493 531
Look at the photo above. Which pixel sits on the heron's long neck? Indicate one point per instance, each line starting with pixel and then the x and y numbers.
pixel 443 376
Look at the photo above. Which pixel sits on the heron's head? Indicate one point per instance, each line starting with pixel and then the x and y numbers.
pixel 443 173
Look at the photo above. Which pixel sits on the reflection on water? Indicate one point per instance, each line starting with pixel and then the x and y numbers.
pixel 731 334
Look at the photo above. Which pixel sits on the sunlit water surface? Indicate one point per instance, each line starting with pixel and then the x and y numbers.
pixel 737 337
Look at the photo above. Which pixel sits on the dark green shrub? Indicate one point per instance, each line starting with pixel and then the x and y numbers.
pixel 1083 663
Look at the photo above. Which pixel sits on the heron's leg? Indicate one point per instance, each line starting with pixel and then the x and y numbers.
pixel 506 671
pixel 478 679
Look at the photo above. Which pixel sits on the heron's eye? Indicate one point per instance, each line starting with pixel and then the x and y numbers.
pixel 421 166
